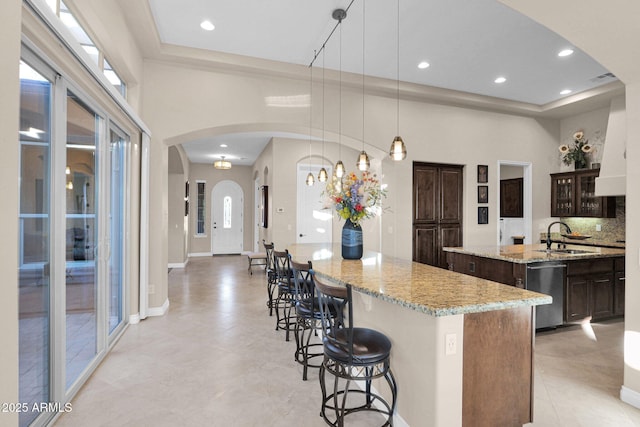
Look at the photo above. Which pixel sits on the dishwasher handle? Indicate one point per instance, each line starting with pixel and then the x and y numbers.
pixel 547 266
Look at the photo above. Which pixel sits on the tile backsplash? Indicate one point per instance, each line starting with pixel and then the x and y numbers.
pixel 612 229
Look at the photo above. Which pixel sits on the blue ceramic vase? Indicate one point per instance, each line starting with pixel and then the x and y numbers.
pixel 351 240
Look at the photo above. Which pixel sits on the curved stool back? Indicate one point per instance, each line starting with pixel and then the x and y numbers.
pixel 351 354
pixel 284 302
pixel 271 274
pixel 308 316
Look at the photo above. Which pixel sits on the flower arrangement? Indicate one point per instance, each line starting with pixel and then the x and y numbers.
pixel 578 153
pixel 355 198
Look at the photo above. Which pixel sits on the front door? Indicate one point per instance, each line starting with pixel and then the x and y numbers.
pixel 227 218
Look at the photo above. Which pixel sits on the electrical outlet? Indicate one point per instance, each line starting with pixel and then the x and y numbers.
pixel 598 227
pixel 450 344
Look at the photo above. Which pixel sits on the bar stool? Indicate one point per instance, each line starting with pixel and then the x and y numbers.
pixel 308 316
pixel 284 303
pixel 351 354
pixel 271 275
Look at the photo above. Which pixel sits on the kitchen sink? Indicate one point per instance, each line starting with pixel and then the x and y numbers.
pixel 565 251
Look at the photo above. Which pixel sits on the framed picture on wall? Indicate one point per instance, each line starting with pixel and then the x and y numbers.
pixel 483 215
pixel 483 194
pixel 483 174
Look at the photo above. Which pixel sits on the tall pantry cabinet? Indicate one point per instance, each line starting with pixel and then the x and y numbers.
pixel 437 211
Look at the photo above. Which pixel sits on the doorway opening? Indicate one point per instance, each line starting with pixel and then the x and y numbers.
pixel 515 204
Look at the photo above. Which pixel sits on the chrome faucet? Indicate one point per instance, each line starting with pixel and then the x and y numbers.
pixel 549 232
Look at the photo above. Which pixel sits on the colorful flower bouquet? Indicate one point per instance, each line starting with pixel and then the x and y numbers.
pixel 356 198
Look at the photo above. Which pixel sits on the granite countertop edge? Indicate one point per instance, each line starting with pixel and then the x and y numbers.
pixel 447 311
pixel 528 254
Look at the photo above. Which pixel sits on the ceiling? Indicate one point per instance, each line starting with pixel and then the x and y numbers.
pixel 468 44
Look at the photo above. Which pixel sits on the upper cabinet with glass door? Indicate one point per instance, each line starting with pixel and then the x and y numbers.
pixel 573 195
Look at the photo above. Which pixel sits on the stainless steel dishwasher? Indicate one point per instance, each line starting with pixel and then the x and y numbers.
pixel 547 278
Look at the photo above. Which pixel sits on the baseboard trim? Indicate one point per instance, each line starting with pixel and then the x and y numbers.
pixel 179 264
pixel 629 396
pixel 159 311
pixel 199 254
pixel 134 318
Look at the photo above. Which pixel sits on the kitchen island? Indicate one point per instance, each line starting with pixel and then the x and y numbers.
pixel 589 282
pixel 462 346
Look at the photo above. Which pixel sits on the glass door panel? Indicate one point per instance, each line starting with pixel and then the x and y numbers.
pixel 562 196
pixel 34 226
pixel 117 148
pixel 81 237
pixel 589 204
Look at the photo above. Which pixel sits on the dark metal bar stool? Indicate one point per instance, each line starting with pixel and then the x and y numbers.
pixel 308 316
pixel 284 303
pixel 351 354
pixel 271 275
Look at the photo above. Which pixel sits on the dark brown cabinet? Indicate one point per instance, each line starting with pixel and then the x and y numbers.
pixel 511 198
pixel 573 194
pixel 437 211
pixel 592 289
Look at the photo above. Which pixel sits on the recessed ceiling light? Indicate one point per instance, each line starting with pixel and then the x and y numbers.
pixel 207 25
pixel 500 80
pixel 423 65
pixel 565 92
pixel 223 145
pixel 565 52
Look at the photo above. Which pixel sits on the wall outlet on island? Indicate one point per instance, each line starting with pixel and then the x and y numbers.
pixel 598 227
pixel 451 344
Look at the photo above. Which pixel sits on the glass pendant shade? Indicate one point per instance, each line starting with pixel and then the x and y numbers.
pixel 339 169
pixel 310 179
pixel 322 175
pixel 398 149
pixel 363 161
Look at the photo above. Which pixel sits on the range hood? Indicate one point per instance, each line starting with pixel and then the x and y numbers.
pixel 613 167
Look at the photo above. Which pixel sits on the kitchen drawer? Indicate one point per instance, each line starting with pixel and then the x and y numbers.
pixel 599 265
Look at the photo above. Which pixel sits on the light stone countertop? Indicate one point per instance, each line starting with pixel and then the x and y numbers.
pixel 525 254
pixel 420 287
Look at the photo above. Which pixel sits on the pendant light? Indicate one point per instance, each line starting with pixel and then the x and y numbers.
pixel 363 162
pixel 310 179
pixel 222 164
pixel 339 170
pixel 398 150
pixel 322 175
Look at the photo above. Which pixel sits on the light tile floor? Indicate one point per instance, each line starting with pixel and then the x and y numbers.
pixel 215 359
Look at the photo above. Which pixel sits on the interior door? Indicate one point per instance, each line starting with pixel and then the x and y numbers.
pixel 314 221
pixel 227 202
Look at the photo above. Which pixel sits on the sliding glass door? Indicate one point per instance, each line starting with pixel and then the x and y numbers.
pixel 72 247
pixel 34 224
pixel 118 143
pixel 81 274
